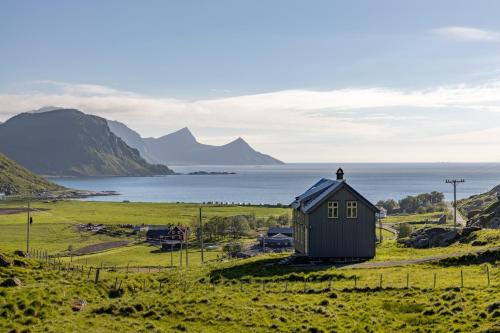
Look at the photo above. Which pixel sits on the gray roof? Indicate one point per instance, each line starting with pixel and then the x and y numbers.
pixel 319 192
pixel 278 230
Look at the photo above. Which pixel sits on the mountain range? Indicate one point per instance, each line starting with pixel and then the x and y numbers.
pixel 68 142
pixel 182 148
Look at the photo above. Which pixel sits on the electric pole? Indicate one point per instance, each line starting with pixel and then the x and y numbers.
pixel 28 222
pixel 201 238
pixel 454 182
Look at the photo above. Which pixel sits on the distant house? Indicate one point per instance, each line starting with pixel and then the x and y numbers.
pixel 174 238
pixel 332 220
pixel 382 214
pixel 140 228
pixel 2 195
pixel 276 230
pixel 155 232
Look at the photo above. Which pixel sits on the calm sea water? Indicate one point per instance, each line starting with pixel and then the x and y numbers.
pixel 281 183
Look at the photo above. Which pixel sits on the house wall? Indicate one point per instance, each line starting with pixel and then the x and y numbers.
pixel 299 226
pixel 342 237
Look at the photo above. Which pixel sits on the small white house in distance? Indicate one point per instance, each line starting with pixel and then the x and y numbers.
pixel 2 195
pixel 382 213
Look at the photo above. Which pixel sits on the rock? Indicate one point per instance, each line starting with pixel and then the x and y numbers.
pixel 478 243
pixel 11 282
pixel 21 253
pixel 4 262
pixel 78 305
pixel 19 263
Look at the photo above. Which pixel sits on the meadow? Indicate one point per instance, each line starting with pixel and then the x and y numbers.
pixel 250 296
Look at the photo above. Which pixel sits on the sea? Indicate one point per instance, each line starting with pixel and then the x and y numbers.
pixel 275 184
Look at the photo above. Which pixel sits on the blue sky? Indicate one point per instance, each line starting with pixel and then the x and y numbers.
pixel 408 79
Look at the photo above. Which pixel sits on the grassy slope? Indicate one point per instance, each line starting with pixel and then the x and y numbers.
pixel 188 303
pixel 14 175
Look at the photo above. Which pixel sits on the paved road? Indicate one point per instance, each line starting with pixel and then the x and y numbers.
pixel 460 219
pixel 396 263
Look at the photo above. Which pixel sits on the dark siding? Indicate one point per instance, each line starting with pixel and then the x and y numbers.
pixel 342 237
pixel 299 222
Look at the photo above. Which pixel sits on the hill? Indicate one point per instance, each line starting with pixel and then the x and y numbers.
pixel 14 179
pixel 67 142
pixel 483 210
pixel 182 148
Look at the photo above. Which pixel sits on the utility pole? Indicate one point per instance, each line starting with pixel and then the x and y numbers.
pixel 187 245
pixel 28 222
pixel 454 182
pixel 201 238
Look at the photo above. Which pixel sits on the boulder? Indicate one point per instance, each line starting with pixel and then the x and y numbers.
pixel 21 253
pixel 11 282
pixel 4 262
pixel 19 263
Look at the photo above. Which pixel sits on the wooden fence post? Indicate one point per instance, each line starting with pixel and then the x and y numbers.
pixel 380 285
pixel 355 281
pixel 286 286
pixel 488 274
pixel 407 280
pixel 461 278
pixel 434 280
pixel 330 284
pixel 88 275
pixel 98 270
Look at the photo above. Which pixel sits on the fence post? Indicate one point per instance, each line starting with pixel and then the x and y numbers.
pixel 241 285
pixel 488 274
pixel 407 280
pixel 330 284
pixel 88 275
pixel 98 270
pixel 305 285
pixel 286 286
pixel 380 285
pixel 462 278
pixel 434 280
pixel 355 281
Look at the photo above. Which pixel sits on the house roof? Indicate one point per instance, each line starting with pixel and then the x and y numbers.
pixel 277 230
pixel 322 190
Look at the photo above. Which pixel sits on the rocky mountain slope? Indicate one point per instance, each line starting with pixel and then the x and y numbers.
pixel 67 142
pixel 182 148
pixel 483 210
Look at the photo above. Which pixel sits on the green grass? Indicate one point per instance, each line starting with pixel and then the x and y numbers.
pixel 426 217
pixel 188 303
pixel 130 213
pixel 55 229
pixel 386 234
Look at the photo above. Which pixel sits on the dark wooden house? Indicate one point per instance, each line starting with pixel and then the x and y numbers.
pixel 174 237
pixel 332 220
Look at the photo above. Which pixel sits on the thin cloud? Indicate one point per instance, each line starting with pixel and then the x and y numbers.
pixel 467 33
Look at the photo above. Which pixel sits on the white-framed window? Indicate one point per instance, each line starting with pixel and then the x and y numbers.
pixel 352 209
pixel 333 209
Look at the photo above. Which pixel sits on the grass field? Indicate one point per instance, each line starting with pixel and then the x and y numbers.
pixel 54 228
pixel 413 218
pixel 249 296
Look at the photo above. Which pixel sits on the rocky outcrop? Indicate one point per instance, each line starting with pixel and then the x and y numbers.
pixel 436 237
pixel 4 262
pixel 11 282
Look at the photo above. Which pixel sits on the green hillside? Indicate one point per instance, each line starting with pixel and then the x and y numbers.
pixel 483 209
pixel 14 179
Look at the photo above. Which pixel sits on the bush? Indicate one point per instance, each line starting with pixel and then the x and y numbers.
pixel 405 230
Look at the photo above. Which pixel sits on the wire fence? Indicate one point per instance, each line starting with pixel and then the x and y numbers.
pixel 430 278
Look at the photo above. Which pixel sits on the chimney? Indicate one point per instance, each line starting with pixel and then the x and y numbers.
pixel 340 174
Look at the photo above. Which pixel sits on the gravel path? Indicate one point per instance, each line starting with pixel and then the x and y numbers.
pixel 396 263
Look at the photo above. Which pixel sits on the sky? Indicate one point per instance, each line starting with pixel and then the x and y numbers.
pixel 303 81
